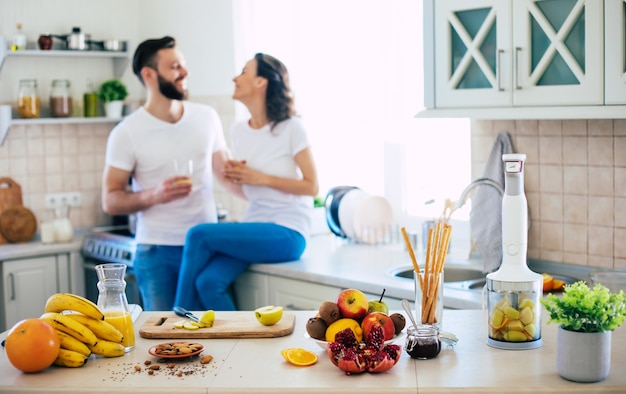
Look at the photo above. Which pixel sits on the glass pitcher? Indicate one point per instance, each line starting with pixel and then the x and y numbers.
pixel 113 302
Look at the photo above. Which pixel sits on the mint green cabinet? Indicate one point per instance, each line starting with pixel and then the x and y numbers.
pixel 503 53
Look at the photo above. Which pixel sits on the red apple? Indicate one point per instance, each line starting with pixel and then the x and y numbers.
pixel 352 304
pixel 378 319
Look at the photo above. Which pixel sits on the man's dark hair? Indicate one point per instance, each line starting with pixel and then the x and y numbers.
pixel 145 55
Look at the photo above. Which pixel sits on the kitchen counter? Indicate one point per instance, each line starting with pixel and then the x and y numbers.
pixel 35 247
pixel 256 366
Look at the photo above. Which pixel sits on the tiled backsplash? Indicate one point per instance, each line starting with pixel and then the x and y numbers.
pixel 54 158
pixel 575 183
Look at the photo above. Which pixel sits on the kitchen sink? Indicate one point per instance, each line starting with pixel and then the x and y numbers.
pixel 450 274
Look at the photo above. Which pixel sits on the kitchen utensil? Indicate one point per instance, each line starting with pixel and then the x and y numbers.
pixel 75 40
pixel 407 309
pixel 238 324
pixel 514 291
pixel 180 311
pixel 331 203
pixel 10 196
pixel 18 224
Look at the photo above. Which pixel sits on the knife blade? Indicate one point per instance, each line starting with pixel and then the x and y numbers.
pixel 180 311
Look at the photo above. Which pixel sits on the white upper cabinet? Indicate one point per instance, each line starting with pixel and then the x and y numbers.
pixel 496 53
pixel 557 54
pixel 615 53
pixel 472 48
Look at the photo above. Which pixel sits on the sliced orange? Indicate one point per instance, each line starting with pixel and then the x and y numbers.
pixel 298 356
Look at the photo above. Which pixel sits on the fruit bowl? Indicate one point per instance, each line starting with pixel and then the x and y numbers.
pixel 324 344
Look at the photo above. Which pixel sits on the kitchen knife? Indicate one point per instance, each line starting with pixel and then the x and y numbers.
pixel 180 311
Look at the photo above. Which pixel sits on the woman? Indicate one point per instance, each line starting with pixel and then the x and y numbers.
pixel 275 172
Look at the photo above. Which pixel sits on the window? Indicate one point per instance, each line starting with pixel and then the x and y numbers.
pixel 356 72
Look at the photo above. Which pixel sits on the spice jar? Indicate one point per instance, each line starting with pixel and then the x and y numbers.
pixel 60 99
pixel 423 342
pixel 90 101
pixel 28 105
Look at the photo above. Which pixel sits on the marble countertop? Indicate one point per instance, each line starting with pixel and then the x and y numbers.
pixel 256 366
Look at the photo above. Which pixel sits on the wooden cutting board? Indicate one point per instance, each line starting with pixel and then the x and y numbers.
pixel 240 324
pixel 10 196
pixel 18 224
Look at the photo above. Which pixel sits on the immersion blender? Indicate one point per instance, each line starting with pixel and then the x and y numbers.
pixel 514 291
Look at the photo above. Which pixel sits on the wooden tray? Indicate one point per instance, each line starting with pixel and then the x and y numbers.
pixel 241 324
pixel 10 196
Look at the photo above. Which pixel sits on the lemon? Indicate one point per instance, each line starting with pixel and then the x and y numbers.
pixel 342 324
pixel 180 323
pixel 207 318
pixel 191 325
pixel 298 356
pixel 269 315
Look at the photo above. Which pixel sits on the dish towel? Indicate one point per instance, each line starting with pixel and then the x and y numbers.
pixel 486 213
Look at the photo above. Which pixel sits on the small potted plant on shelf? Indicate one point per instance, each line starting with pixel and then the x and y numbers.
pixel 112 94
pixel 586 316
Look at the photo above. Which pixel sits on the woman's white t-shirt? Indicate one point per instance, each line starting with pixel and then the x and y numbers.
pixel 273 151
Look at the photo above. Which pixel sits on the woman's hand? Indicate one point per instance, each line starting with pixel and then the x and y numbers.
pixel 240 173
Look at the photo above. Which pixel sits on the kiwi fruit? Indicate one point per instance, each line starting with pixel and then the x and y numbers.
pixel 316 327
pixel 398 322
pixel 329 311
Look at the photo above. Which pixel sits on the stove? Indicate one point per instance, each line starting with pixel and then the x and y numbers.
pixel 110 245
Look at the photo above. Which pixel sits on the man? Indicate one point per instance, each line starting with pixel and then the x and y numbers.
pixel 145 147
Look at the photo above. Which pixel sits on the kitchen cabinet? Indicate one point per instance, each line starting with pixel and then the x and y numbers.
pixel 27 284
pixel 120 62
pixel 522 59
pixel 254 290
pixel 615 51
pixel 520 53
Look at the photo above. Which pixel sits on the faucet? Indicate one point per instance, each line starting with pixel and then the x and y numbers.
pixel 477 182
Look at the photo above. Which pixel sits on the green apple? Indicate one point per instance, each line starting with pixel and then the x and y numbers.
pixel 269 315
pixel 377 306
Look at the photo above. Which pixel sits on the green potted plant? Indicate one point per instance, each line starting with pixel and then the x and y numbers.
pixel 586 316
pixel 112 94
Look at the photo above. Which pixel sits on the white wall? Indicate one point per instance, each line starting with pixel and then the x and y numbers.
pixel 203 30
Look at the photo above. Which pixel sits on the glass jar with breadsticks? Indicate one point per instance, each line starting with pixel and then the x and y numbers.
pixel 429 280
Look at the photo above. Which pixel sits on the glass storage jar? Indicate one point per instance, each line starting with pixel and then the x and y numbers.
pixel 60 99
pixel 28 105
pixel 422 342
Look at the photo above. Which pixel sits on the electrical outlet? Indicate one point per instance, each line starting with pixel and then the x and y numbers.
pixel 57 200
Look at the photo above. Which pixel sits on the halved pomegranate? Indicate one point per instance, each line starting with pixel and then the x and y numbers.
pixel 372 355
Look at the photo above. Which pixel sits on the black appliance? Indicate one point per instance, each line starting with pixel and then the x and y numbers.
pixel 113 246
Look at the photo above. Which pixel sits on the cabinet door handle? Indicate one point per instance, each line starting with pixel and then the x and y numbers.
pixel 516 68
pixel 499 69
pixel 12 284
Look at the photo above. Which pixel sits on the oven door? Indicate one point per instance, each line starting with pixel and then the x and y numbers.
pixel 91 282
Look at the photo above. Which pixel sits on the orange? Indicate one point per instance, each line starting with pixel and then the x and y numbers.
pixel 298 356
pixel 32 345
pixel 342 324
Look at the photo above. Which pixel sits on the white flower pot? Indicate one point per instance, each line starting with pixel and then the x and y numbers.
pixel 583 356
pixel 113 109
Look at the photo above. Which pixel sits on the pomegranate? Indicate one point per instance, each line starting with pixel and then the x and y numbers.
pixel 372 355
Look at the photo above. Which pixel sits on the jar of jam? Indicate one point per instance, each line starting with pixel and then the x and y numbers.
pixel 423 342
pixel 60 99
pixel 28 105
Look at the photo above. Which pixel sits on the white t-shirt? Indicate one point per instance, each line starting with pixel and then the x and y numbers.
pixel 272 152
pixel 148 147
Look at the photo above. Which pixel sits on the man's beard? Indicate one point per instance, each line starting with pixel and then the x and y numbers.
pixel 169 90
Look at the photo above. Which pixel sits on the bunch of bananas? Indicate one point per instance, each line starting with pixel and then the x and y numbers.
pixel 82 330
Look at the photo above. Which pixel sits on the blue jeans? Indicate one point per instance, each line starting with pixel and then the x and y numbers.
pixel 156 269
pixel 216 253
